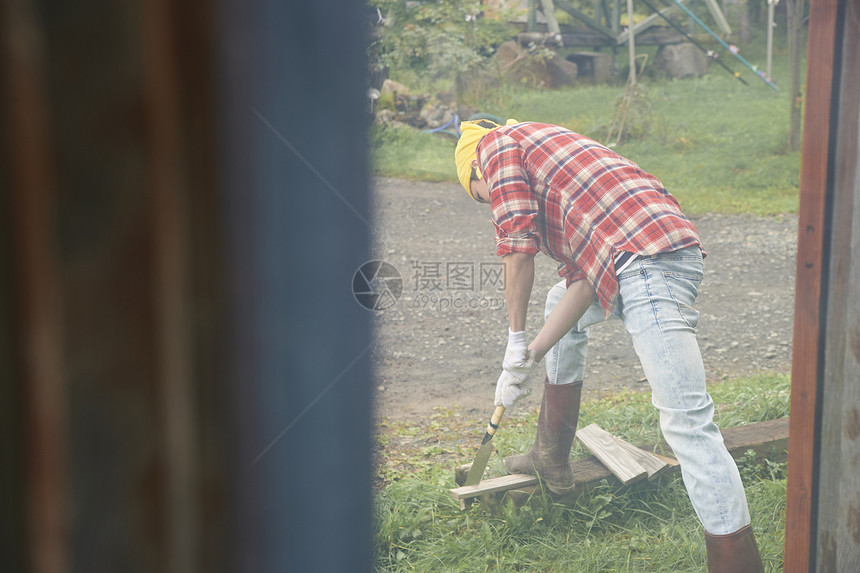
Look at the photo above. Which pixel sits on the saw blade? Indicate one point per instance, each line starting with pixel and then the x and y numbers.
pixel 476 472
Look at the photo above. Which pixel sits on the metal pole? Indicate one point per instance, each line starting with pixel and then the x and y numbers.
pixel 771 4
pixel 631 41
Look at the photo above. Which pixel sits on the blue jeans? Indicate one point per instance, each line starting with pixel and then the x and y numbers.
pixel 656 304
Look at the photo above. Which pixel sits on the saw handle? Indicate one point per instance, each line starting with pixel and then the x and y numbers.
pixel 495 419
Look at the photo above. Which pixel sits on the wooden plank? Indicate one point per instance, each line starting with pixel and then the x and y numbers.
pixel 809 276
pixel 549 15
pixel 718 16
pixel 586 472
pixel 762 437
pixel 837 546
pixel 588 20
pixel 616 459
pixel 653 465
pixel 645 24
pixel 492 485
pixel 656 37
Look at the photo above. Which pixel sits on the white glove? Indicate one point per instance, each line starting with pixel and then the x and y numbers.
pixel 518 360
pixel 512 387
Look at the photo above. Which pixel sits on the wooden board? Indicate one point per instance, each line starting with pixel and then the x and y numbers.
pixel 656 37
pixel 836 538
pixel 616 458
pixel 653 465
pixel 492 485
pixel 586 471
pixel 817 151
pixel 761 437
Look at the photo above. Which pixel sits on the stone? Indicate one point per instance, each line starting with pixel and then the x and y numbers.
pixel 510 59
pixel 392 87
pixel 561 72
pixel 680 61
pixel 515 66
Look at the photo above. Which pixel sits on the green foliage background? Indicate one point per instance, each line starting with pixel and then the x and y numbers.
pixel 718 145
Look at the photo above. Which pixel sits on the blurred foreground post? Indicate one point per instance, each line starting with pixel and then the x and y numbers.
pixel 823 502
pixel 184 372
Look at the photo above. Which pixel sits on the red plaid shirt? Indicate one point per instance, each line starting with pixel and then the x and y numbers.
pixel 579 202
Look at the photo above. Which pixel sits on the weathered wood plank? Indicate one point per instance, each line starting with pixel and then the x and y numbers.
pixel 837 540
pixel 653 465
pixel 606 449
pixel 645 24
pixel 761 437
pixel 808 283
pixel 586 472
pixel 492 485
pixel 656 37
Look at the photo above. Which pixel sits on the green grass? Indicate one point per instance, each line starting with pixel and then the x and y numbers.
pixel 719 146
pixel 418 526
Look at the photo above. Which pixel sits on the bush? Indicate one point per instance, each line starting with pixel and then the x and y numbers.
pixel 436 39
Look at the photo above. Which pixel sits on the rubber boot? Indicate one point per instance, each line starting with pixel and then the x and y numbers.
pixel 549 457
pixel 734 552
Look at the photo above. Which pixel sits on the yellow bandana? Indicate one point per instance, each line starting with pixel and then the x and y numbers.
pixel 472 132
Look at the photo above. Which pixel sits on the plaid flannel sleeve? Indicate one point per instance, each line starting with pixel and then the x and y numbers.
pixel 571 273
pixel 515 207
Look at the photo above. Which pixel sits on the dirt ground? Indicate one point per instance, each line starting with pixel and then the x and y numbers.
pixel 441 344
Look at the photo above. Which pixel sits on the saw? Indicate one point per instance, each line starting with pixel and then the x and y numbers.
pixel 480 463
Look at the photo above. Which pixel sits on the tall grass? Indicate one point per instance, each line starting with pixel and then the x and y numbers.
pixel 646 528
pixel 717 145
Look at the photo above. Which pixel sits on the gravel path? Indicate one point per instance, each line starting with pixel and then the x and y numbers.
pixel 441 344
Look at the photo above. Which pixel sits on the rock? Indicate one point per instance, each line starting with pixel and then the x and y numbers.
pixel 385 116
pixel 392 87
pixel 680 61
pixel 561 72
pixel 516 66
pixel 510 58
pixel 436 114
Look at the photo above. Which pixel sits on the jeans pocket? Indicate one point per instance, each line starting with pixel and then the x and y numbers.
pixel 684 288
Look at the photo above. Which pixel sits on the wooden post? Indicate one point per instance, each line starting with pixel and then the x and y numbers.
pixel 718 16
pixel 549 14
pixel 170 278
pixel 532 16
pixel 806 368
pixel 36 290
pixel 837 535
pixel 616 17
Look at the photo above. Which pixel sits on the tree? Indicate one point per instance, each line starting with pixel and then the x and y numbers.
pixel 436 38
